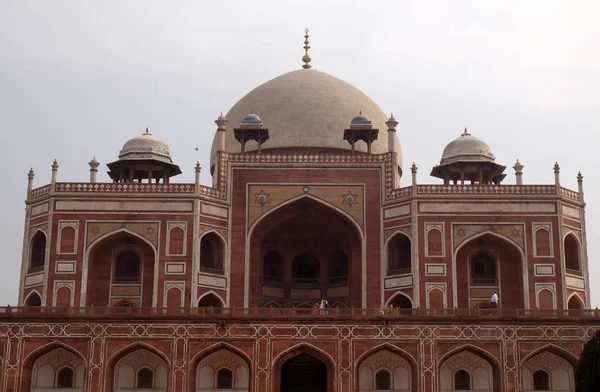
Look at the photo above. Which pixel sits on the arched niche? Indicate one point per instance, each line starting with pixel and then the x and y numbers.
pixel 310 238
pixel 120 263
pixel 58 369
pixel 212 253
pixel 67 239
pixel 572 253
pixel 210 300
pixel 176 241
pixel 575 303
pixel 400 301
pixel 507 261
pixel 547 371
pixel 222 369
pixel 483 268
pixel 467 370
pixel 37 251
pixel 303 368
pixel 384 368
pixel 140 369
pixel 542 242
pixel 399 254
pixel 33 299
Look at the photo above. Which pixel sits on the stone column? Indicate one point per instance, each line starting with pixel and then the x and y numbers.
pixel 519 172
pixel 557 177
pixel 391 123
pixel 54 171
pixel 93 169
pixel 30 176
pixel 198 169
pixel 413 170
pixel 580 186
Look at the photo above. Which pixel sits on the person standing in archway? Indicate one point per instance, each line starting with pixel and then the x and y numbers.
pixel 494 300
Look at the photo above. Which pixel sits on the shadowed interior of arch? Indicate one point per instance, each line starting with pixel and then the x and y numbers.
pixel 120 267
pixel 310 248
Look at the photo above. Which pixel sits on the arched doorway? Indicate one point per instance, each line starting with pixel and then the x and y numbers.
pixel 400 301
pixel 575 303
pixel 303 373
pixel 210 301
pixel 490 263
pixel 120 268
pixel 303 252
pixel 140 369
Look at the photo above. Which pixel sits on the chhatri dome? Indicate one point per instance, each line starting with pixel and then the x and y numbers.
pixel 467 148
pixel 146 146
pixel 306 108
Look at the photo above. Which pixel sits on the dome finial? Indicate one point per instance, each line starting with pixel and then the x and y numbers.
pixel 147 132
pixel 306 58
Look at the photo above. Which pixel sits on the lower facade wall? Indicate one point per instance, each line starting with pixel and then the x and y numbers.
pixel 261 350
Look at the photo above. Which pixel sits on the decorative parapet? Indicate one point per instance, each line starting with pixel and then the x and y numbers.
pixel 123 188
pixel 569 194
pixel 369 315
pixel 488 189
pixel 41 191
pixel 400 193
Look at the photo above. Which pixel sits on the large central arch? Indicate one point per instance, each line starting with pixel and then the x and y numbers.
pixel 310 368
pixel 304 251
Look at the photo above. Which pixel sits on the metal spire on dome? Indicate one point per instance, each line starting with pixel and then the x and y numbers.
pixel 306 58
pixel 466 133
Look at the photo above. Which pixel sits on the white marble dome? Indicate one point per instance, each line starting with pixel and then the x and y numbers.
pixel 467 148
pixel 146 146
pixel 306 108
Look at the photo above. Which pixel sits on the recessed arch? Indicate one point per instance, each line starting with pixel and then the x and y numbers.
pixel 209 294
pixel 395 298
pixel 302 349
pixel 325 203
pixel 575 302
pixel 113 361
pixel 523 264
pixel 554 349
pixel 303 220
pixel 38 242
pixel 572 250
pixel 213 252
pixel 33 299
pixel 206 352
pixel 30 360
pixel 91 246
pixel 398 253
pixel 485 355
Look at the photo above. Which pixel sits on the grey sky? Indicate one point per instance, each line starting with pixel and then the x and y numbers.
pixel 79 78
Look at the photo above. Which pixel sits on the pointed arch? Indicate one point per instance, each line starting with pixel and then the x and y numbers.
pixel 395 265
pixel 572 359
pixel 36 354
pixel 30 297
pixel 296 350
pixel 400 293
pixel 393 349
pixel 482 353
pixel 114 359
pixel 575 297
pixel 206 352
pixel 325 203
pixel 211 293
pixel 38 243
pixel 518 247
pixel 30 359
pixel 212 252
pixel 572 251
pixel 91 246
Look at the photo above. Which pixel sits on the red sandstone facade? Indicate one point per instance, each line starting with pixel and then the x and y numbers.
pixel 146 284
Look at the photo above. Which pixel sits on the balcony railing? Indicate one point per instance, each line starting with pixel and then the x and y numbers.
pixel 286 314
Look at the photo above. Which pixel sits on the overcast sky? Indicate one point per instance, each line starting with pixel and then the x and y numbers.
pixel 79 78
